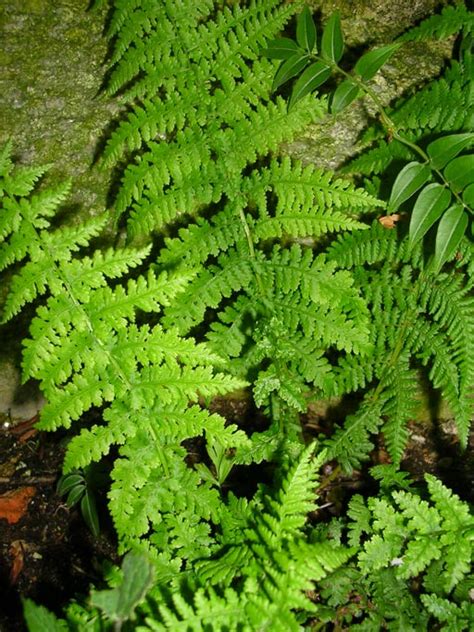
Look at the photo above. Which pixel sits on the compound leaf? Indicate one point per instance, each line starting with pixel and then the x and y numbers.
pixel 370 63
pixel 332 41
pixel 450 231
pixel 444 149
pixel 433 200
pixel 411 178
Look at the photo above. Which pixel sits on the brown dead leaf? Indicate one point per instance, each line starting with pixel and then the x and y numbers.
pixel 25 429
pixel 13 504
pixel 389 221
pixel 27 435
pixel 17 553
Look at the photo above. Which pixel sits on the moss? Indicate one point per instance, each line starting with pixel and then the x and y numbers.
pixel 52 56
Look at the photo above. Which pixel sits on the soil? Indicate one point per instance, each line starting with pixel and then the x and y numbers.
pixel 46 550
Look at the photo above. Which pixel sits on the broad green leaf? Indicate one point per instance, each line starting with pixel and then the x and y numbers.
pixel 306 30
pixel 433 200
pixel 312 77
pixel 281 48
pixel 89 513
pixel 345 93
pixel 444 149
pixel 450 231
pixel 39 619
pixel 289 69
pixel 75 494
pixel 371 62
pixel 332 41
pixel 468 196
pixel 118 604
pixel 460 172
pixel 411 178
pixel 66 483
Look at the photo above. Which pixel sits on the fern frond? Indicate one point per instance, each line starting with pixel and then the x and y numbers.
pixel 350 444
pixel 211 286
pixel 452 19
pixel 370 246
pixel 308 203
pixel 195 170
pixel 446 374
pixel 300 187
pixel 197 242
pixel 16 181
pixel 455 617
pixel 167 488
pixel 417 316
pixel 24 218
pixel 266 551
pixel 401 382
pixel 418 533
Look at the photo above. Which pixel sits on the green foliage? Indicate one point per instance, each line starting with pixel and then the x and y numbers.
pixel 87 350
pixel 449 199
pixel 258 577
pixel 406 543
pixel 419 318
pixel 288 288
pixel 118 603
pixel 81 486
pixel 450 20
pixel 203 91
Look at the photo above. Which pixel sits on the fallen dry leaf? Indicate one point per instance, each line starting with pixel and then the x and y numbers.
pixel 25 430
pixel 13 504
pixel 17 552
pixel 389 221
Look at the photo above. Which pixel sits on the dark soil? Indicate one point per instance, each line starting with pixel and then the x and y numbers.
pixel 48 555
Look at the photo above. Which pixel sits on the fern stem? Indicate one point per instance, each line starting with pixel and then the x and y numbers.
pixel 251 246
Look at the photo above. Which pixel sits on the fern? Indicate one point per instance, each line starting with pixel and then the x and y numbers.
pixel 452 19
pixel 419 318
pixel 415 535
pixel 200 97
pixel 274 568
pixel 266 552
pixel 402 537
pixel 441 106
pixel 251 261
pixel 86 349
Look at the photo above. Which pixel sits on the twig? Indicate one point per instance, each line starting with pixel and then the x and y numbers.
pixel 31 480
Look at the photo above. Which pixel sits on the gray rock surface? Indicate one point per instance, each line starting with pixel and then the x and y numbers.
pixel 367 24
pixel 51 60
